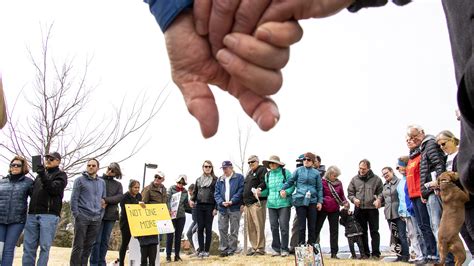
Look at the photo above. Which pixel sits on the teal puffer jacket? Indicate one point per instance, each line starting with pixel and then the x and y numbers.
pixel 306 179
pixel 274 181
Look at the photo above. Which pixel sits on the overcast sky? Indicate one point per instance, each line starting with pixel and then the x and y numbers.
pixel 352 85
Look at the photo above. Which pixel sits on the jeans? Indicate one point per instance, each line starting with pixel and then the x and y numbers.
pixel 9 234
pixel 204 218
pixel 369 218
pixel 423 221
pixel 352 240
pixel 39 230
pixel 85 234
pixel 101 245
pixel 126 235
pixel 189 234
pixel 280 223
pixel 228 239
pixel 402 235
pixel 307 213
pixel 333 218
pixel 434 212
pixel 178 224
pixel 414 236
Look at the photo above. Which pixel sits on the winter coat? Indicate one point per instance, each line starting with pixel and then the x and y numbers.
pixel 366 189
pixel 413 174
pixel 432 161
pixel 48 192
pixel 390 198
pixel 403 200
pixel 305 179
pixel 183 206
pixel 254 179
pixel 153 194
pixel 204 195
pixel 236 183
pixel 329 202
pixel 14 192
pixel 274 181
pixel 113 196
pixel 349 222
pixel 127 199
pixel 86 197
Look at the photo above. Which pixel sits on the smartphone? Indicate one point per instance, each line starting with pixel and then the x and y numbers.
pixel 36 162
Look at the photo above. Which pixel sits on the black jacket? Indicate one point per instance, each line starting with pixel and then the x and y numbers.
pixel 204 195
pixel 127 199
pixel 48 192
pixel 353 228
pixel 432 160
pixel 254 179
pixel 113 196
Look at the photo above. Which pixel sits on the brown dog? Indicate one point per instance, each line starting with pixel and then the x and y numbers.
pixel 453 199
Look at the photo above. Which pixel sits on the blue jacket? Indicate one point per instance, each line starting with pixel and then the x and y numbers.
pixel 87 194
pixel 305 179
pixel 236 191
pixel 165 11
pixel 14 192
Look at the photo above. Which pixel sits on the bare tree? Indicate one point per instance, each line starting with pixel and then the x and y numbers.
pixel 57 122
pixel 243 140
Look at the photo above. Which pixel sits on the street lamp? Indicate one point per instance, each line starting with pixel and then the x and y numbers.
pixel 147 165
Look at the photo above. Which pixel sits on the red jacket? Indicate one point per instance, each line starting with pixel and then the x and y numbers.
pixel 413 177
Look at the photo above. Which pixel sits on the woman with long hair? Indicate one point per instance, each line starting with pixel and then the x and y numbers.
pixel 14 191
pixel 132 196
pixel 205 206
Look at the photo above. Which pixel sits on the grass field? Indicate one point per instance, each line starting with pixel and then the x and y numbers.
pixel 60 256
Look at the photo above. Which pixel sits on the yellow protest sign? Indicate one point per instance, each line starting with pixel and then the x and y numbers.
pixel 151 220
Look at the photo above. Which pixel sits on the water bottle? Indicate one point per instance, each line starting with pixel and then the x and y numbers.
pixel 307 198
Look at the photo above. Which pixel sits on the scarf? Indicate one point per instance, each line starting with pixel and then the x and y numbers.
pixel 333 191
pixel 205 181
pixel 179 189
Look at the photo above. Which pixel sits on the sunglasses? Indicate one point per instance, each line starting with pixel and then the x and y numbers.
pixel 158 177
pixel 251 162
pixel 443 144
pixel 91 165
pixel 50 159
pixel 16 165
pixel 307 159
pixel 207 166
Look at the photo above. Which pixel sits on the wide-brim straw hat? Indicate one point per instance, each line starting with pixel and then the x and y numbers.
pixel 273 159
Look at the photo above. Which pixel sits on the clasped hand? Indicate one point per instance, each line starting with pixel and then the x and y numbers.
pixel 241 47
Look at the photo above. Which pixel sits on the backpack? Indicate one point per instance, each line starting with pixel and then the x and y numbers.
pixel 283 172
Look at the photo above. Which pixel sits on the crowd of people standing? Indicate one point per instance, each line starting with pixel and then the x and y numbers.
pixel 410 204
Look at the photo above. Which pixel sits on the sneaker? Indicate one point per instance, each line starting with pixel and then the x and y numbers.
pixel 230 254
pixel 223 254
pixel 259 252
pixel 168 259
pixel 177 258
pixel 206 254
pixel 334 256
pixel 250 252
pixel 285 254
pixel 274 253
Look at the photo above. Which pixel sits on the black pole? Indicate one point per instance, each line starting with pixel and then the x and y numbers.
pixel 144 174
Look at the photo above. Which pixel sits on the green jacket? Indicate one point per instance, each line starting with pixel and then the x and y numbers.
pixel 183 206
pixel 274 181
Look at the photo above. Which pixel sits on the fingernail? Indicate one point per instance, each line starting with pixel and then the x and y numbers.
pixel 230 41
pixel 224 57
pixel 263 34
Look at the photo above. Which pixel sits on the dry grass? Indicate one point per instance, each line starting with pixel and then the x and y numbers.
pixel 60 256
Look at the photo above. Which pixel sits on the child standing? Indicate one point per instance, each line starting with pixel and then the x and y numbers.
pixel 353 232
